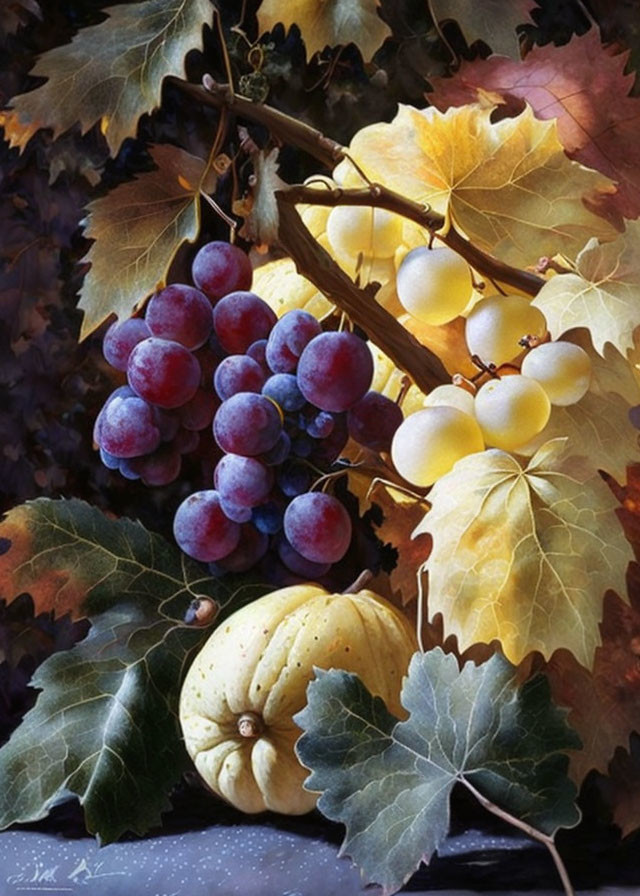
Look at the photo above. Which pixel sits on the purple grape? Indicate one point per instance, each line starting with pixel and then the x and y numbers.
pixel 168 423
pixel 181 314
pixel 302 446
pixel 268 517
pixel 252 547
pixel 243 481
pixel 279 453
pixel 238 373
pixel 283 389
pixel 298 564
pixel 294 479
pixel 198 412
pixel 127 469
pixel 327 450
pixel 318 527
pixel 110 461
pixel 128 428
pixel 257 351
pixel 236 512
pixel 335 371
pixel 186 441
pixel 159 468
pixel 202 530
pixel 120 392
pixel 120 340
pixel 321 426
pixel 247 424
pixel 220 268
pixel 163 372
pixel 288 338
pixel 373 420
pixel 241 318
pixel 634 416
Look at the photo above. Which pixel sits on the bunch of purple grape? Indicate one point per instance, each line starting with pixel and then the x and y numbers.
pixel 286 396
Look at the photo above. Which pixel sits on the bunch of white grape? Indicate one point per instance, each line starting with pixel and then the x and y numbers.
pixel 506 336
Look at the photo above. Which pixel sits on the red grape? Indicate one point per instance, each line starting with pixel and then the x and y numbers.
pixel 220 268
pixel 335 370
pixel 318 527
pixel 163 372
pixel 202 530
pixel 182 314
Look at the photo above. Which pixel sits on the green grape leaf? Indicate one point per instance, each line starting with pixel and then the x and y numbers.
pixel 105 726
pixel 138 228
pixel 492 21
pixel 111 72
pixel 602 295
pixel 72 559
pixel 390 782
pixel 524 555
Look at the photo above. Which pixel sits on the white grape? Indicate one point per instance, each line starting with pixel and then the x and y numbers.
pixel 511 411
pixel 434 285
pixel 496 324
pixel 352 229
pixel 562 369
pixel 428 443
pixel 451 396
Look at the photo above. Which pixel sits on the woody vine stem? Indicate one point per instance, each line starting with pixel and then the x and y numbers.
pixel 423 365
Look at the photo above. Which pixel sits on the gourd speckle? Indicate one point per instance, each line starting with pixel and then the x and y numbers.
pixel 238 725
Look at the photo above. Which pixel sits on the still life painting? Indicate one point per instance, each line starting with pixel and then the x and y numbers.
pixel 319 447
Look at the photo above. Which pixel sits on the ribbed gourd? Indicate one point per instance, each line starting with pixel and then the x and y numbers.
pixel 250 679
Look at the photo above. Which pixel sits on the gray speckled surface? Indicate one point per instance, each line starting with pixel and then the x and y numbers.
pixel 224 860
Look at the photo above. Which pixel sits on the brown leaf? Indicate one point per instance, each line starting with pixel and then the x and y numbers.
pixel 584 86
pixel 492 21
pixel 138 228
pixel 623 787
pixel 401 515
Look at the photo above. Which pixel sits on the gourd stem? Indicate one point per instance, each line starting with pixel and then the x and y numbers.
pixel 361 582
pixel 250 724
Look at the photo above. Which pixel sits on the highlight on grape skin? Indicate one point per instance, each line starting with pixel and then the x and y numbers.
pixel 434 285
pixel 429 442
pixel 563 369
pixel 511 411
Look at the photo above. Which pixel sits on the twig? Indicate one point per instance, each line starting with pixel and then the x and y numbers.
pixel 314 263
pixel 381 197
pixel 534 833
pixel 282 126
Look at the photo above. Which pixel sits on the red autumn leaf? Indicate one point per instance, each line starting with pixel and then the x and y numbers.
pixel 584 86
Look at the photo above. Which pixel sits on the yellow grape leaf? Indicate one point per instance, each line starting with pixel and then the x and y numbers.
pixel 524 555
pixel 138 228
pixel 492 21
pixel 330 22
pixel 508 186
pixel 602 295
pixel 283 288
pixel 111 72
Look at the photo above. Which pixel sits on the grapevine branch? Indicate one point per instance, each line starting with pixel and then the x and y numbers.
pixel 381 197
pixel 327 151
pixel 314 263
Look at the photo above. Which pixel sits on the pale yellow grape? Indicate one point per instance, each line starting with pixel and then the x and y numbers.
pixel 511 411
pixel 496 324
pixel 434 285
pixel 562 369
pixel 451 396
pixel 428 443
pixel 352 229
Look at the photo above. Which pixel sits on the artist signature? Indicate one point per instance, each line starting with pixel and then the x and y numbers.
pixel 37 877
